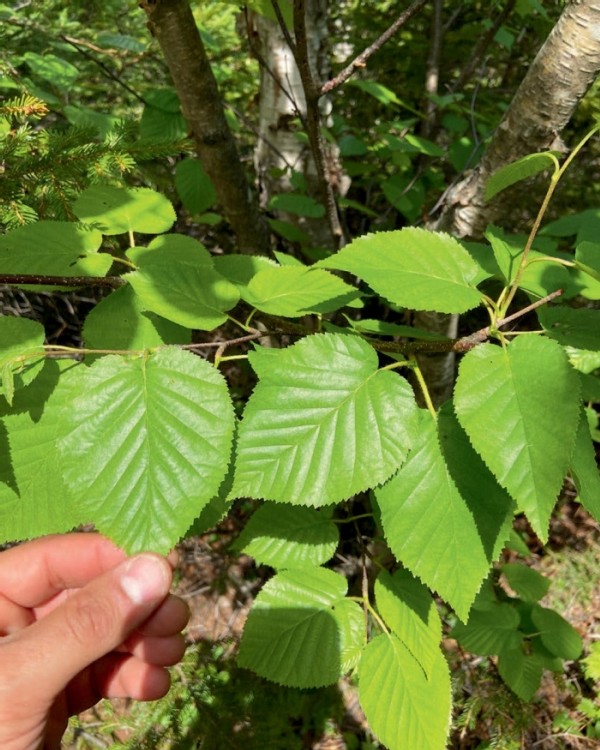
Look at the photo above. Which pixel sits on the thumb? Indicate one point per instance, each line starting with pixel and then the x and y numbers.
pixel 93 621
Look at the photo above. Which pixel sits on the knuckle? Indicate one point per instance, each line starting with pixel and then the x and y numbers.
pixel 89 620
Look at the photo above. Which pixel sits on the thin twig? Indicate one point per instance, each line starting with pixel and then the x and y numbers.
pixel 361 60
pixel 312 94
pixel 18 279
pixel 106 70
pixel 469 342
pixel 478 51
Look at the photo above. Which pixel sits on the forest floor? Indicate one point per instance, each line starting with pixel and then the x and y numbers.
pixel 215 705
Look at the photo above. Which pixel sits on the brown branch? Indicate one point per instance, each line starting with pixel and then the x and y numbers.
pixel 172 23
pixel 19 279
pixel 361 60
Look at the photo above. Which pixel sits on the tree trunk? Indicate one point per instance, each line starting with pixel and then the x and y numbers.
pixel 563 70
pixel 173 25
pixel 283 102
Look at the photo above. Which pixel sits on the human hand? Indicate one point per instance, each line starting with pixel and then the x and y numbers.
pixel 79 622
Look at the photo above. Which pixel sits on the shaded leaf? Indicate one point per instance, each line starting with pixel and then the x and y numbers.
pixel 557 635
pixel 120 321
pixel 519 170
pixel 34 499
pixel 527 583
pixel 21 355
pixel 573 327
pixel 490 631
pixel 410 612
pixel 584 470
pixel 521 672
pixel 194 186
pixel 287 537
pixel 423 509
pixel 297 629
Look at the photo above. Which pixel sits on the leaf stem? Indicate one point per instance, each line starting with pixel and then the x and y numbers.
pixel 423 386
pixel 554 180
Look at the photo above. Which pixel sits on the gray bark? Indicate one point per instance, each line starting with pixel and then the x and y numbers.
pixel 561 73
pixel 283 100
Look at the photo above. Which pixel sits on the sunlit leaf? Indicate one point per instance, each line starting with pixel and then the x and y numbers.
pixel 403 707
pixel 148 445
pixel 414 268
pixel 323 422
pixel 520 407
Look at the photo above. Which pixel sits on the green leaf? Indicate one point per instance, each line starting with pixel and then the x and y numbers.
pixel 34 499
pixel 587 274
pixel 403 707
pixel 286 537
pixel 53 248
pixel 189 293
pixel 450 507
pixel 591 663
pixel 52 69
pixel 557 635
pixel 583 360
pixel 162 118
pixel 584 470
pixel 295 203
pixel 490 631
pixel 410 612
pixel 424 146
pixel 120 321
pixel 21 355
pixel 239 269
pixel 521 672
pixel 323 422
pixel 289 231
pixel 383 328
pixel 540 276
pixel 519 406
pixel 519 170
pixel 574 327
pixel 194 186
pixel 117 210
pixel 301 631
pixel 148 445
pixel 293 291
pixel 169 248
pixel 414 268
pixel 526 582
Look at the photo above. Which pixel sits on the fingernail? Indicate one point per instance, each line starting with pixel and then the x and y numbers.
pixel 145 579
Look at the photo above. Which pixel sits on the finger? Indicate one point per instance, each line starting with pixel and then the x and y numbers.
pixel 171 617
pixel 116 676
pixel 32 573
pixel 89 624
pixel 162 652
pixel 13 617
